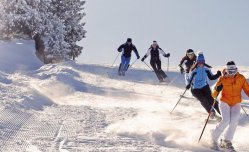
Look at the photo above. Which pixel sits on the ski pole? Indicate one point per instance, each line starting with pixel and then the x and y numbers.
pixel 178 101
pixel 133 63
pixel 116 58
pixel 172 81
pixel 183 93
pixel 244 110
pixel 207 118
pixel 219 88
pixel 148 66
pixel 168 65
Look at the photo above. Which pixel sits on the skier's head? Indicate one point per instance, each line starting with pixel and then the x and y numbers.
pixel 154 44
pixel 129 41
pixel 190 53
pixel 231 69
pixel 200 58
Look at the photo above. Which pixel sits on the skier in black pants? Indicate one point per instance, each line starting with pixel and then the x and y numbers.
pixel 200 87
pixel 155 61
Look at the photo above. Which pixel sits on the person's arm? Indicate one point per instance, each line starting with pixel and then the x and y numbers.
pixel 246 87
pixel 136 52
pixel 120 48
pixel 207 65
pixel 182 60
pixel 163 53
pixel 211 76
pixel 216 87
pixel 191 78
pixel 147 54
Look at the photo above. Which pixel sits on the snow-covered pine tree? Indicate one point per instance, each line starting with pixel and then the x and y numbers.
pixel 71 12
pixel 38 19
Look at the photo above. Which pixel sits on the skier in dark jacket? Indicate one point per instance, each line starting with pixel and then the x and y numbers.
pixel 189 60
pixel 155 60
pixel 126 49
pixel 199 84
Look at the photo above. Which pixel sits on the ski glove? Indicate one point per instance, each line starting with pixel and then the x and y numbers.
pixel 181 69
pixel 167 55
pixel 120 50
pixel 219 73
pixel 188 86
pixel 143 59
pixel 219 87
pixel 138 57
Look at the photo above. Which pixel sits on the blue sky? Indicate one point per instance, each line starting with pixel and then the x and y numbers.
pixel 218 28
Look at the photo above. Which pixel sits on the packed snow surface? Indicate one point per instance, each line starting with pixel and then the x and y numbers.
pixel 72 107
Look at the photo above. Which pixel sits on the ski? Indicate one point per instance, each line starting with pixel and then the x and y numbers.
pixel 182 96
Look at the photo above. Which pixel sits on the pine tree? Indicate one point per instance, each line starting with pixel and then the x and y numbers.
pixel 30 18
pixel 71 12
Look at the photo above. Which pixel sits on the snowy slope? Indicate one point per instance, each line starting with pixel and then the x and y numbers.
pixel 81 107
pixel 18 55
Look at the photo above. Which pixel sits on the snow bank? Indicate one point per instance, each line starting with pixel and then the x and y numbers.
pixel 18 55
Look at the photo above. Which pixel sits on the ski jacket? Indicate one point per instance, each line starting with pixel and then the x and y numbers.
pixel 154 53
pixel 189 62
pixel 200 76
pixel 126 48
pixel 232 87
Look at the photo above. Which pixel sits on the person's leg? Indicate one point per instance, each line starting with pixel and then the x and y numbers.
pixel 210 99
pixel 154 66
pixel 160 71
pixel 122 63
pixel 234 120
pixel 198 93
pixel 186 76
pixel 127 63
pixel 225 113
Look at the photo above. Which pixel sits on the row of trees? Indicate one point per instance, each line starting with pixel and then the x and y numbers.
pixel 57 22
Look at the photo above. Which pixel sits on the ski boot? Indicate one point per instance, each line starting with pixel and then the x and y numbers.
pixel 161 80
pixel 214 116
pixel 123 73
pixel 119 73
pixel 215 146
pixel 226 144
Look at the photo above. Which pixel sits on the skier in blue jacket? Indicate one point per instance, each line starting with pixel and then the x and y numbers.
pixel 126 49
pixel 199 85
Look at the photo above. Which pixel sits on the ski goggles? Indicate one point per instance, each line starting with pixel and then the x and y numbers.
pixel 190 53
pixel 154 43
pixel 232 72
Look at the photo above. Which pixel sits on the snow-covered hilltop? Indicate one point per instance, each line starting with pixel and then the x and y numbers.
pixel 81 107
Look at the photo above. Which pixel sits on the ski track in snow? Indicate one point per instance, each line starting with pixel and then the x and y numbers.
pixel 86 113
pixel 73 107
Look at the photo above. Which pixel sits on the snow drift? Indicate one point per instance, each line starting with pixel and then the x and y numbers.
pixel 18 55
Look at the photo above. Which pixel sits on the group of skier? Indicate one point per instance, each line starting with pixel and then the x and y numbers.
pixel 154 51
pixel 230 83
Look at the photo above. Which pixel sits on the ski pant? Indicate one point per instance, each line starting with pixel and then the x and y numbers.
pixel 230 120
pixel 156 65
pixel 205 97
pixel 186 76
pixel 125 62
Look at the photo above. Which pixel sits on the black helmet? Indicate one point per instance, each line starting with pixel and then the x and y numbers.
pixel 129 40
pixel 189 51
